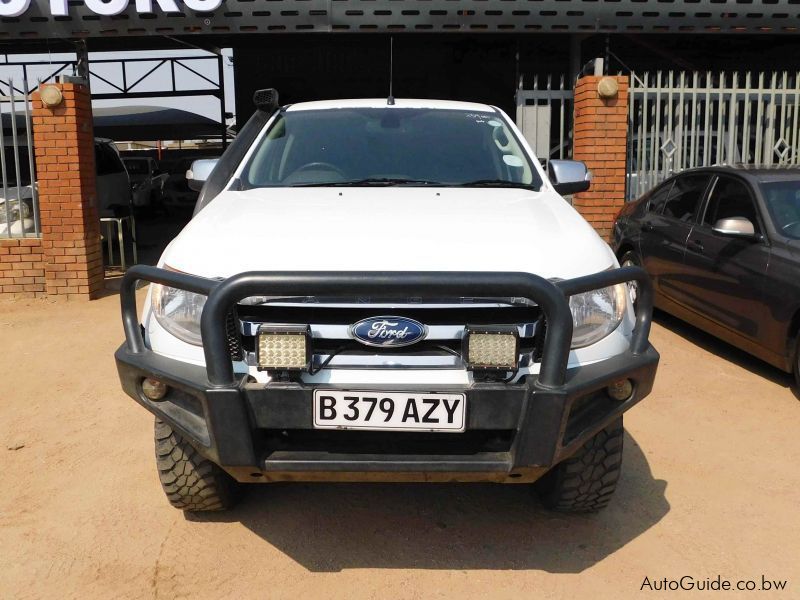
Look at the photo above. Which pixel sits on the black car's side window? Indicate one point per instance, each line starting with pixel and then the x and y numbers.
pixel 730 198
pixel 657 199
pixel 685 196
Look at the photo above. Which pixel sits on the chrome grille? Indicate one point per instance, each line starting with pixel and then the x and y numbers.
pixel 333 346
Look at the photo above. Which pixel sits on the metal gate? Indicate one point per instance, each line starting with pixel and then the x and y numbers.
pixel 19 202
pixel 682 120
pixel 544 115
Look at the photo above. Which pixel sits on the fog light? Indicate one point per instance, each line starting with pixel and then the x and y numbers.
pixel 153 389
pixel 494 347
pixel 283 348
pixel 621 390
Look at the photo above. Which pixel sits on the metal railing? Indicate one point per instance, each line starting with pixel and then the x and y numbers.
pixel 683 120
pixel 149 76
pixel 144 75
pixel 19 201
pixel 544 115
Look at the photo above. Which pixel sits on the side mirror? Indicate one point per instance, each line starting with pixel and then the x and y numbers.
pixel 740 227
pixel 199 172
pixel 569 176
pixel 735 227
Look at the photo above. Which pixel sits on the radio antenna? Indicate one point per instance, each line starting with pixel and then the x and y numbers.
pixel 390 99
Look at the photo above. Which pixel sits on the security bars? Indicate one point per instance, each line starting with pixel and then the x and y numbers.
pixel 19 201
pixel 544 115
pixel 682 120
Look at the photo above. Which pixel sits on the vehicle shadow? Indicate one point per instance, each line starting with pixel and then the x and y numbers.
pixel 331 527
pixel 726 351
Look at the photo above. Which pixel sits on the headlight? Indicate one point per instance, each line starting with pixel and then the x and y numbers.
pixel 597 313
pixel 178 311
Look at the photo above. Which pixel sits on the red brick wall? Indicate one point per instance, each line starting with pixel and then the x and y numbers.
pixel 68 257
pixel 600 135
pixel 22 267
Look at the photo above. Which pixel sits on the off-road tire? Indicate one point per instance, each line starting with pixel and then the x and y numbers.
pixel 586 480
pixel 191 482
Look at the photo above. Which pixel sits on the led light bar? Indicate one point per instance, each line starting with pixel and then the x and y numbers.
pixel 494 347
pixel 283 348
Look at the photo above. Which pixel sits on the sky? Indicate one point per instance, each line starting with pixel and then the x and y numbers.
pixel 158 80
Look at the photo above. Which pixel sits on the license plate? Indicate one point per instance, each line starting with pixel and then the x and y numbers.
pixel 393 411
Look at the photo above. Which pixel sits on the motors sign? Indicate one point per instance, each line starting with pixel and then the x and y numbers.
pixel 110 8
pixel 59 20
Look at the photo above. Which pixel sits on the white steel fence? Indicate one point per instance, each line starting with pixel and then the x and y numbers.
pixel 19 202
pixel 682 120
pixel 544 115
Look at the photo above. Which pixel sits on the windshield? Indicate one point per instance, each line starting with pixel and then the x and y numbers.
pixel 107 160
pixel 388 146
pixel 783 202
pixel 136 167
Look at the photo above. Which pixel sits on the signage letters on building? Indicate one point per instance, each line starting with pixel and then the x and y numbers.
pixel 109 8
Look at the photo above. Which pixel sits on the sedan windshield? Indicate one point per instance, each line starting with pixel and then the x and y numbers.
pixel 389 146
pixel 783 202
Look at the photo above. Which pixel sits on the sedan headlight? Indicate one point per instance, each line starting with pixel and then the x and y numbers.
pixel 596 314
pixel 178 311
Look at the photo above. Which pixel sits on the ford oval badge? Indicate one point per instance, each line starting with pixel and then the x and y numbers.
pixel 387 332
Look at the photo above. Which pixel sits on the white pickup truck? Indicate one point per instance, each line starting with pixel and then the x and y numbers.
pixel 386 290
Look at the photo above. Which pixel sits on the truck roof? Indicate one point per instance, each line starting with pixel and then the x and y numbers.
pixel 382 102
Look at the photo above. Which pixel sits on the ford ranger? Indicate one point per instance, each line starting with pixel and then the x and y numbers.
pixel 386 290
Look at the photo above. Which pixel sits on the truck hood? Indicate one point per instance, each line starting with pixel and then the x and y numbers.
pixel 388 229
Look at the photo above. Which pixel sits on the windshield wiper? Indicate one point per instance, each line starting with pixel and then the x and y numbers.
pixel 376 181
pixel 497 183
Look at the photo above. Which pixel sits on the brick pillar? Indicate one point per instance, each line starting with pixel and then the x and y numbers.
pixel 65 170
pixel 600 135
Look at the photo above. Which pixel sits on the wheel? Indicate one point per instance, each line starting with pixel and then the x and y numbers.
pixel 586 480
pixel 191 482
pixel 629 259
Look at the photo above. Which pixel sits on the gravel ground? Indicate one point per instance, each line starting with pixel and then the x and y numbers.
pixel 710 488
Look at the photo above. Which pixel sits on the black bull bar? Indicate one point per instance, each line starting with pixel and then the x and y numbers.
pixel 223 295
pixel 543 426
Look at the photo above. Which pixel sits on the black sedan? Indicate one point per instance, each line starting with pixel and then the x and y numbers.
pixel 722 245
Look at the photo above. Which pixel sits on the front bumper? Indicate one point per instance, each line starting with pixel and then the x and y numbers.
pixel 264 432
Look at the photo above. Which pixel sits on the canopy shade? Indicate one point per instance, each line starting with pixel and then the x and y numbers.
pixel 137 123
